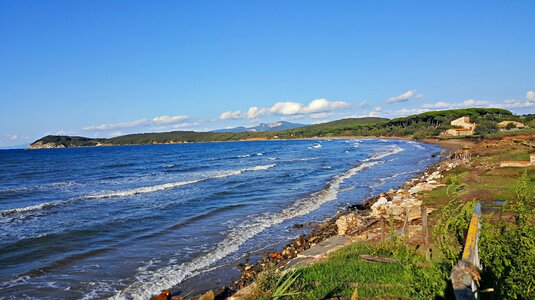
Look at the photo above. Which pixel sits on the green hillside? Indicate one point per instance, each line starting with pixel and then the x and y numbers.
pixel 423 125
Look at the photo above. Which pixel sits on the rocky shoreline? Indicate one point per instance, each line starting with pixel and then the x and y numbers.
pixel 360 222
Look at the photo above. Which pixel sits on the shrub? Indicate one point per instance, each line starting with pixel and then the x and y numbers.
pixel 486 127
pixel 508 248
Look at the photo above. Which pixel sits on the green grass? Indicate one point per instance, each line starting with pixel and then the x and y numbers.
pixel 344 270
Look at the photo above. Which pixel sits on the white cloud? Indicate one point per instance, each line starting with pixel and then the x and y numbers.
pixel 160 120
pixel 168 119
pixel 437 105
pixel 287 108
pixel 403 97
pixel 12 137
pixel 512 103
pixel 324 105
pixel 123 125
pixel 183 125
pixel 256 112
pixel 296 109
pixel 230 115
pixel 530 96
pixel 473 102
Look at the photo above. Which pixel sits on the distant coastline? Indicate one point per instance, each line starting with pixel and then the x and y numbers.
pixel 421 126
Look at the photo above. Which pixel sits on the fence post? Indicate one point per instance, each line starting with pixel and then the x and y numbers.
pixel 465 274
pixel 382 228
pixel 425 231
pixel 405 221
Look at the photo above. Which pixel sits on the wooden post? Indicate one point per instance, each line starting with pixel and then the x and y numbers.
pixel 382 228
pixel 425 231
pixel 405 221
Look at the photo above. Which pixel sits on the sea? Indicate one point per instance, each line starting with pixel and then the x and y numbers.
pixel 126 222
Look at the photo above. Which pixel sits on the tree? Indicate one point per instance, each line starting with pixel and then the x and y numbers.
pixel 486 127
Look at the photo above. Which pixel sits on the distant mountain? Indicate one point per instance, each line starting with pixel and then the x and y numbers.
pixel 263 127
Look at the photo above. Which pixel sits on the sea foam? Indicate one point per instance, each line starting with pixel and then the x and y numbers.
pixel 149 283
pixel 135 191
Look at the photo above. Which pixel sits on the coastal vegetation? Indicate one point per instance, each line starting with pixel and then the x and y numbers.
pixel 420 126
pixel 506 246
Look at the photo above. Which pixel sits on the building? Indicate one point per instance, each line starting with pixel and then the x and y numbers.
pixel 462 127
pixel 503 126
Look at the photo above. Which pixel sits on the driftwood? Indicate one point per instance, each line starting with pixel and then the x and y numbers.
pixel 378 258
pixel 363 227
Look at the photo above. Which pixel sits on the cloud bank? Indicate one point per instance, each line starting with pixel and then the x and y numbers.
pixel 160 120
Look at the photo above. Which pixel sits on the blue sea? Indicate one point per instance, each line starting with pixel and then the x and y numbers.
pixel 128 222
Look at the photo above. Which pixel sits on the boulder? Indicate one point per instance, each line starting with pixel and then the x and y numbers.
pixel 421 187
pixel 347 222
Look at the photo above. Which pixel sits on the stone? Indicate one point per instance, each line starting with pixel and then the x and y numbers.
pixel 380 202
pixel 395 210
pixel 421 187
pixel 397 199
pixel 347 222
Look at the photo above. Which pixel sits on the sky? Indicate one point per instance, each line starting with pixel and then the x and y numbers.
pixel 104 68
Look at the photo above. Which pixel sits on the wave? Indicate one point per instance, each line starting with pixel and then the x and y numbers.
pixel 169 166
pixel 135 191
pixel 394 149
pixel 249 155
pixel 381 181
pixel 415 144
pixel 37 187
pixel 141 190
pixel 315 146
pixel 305 159
pixel 149 283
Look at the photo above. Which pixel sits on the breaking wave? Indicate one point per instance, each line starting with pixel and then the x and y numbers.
pixel 391 150
pixel 152 282
pixel 135 191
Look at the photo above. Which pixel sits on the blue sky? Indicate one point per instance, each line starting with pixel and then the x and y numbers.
pixel 103 68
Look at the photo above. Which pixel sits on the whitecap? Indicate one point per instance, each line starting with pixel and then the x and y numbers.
pixel 391 150
pixel 149 283
pixel 135 191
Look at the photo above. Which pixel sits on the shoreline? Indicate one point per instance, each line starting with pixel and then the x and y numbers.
pixel 322 231
pixel 404 138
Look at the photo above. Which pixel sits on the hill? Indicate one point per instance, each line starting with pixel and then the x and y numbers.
pixel 418 126
pixel 263 127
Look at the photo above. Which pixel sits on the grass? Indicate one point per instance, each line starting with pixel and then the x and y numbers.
pixel 412 277
pixel 343 271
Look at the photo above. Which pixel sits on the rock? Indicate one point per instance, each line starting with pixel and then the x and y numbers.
pixel 349 221
pixel 210 295
pixel 395 210
pixel 379 207
pixel 397 199
pixel 380 201
pixel 421 187
pixel 164 295
pixel 41 145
